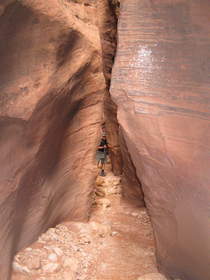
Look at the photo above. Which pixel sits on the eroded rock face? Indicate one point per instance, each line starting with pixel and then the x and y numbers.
pixel 117 243
pixel 51 91
pixel 161 87
pixel 108 13
pixel 132 188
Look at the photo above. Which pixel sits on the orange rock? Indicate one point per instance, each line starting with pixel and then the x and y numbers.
pixel 161 85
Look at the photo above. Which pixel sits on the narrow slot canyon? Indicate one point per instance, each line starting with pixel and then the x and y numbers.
pixel 136 71
pixel 116 243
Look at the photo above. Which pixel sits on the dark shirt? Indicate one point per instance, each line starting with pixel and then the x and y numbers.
pixel 102 144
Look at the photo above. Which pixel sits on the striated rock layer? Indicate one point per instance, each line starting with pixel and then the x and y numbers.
pixel 120 157
pixel 108 34
pixel 51 91
pixel 161 87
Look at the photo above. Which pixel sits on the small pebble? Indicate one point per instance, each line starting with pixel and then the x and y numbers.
pixel 134 214
pixel 53 257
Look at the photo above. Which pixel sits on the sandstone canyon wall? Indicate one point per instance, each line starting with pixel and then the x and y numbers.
pixel 121 160
pixel 51 95
pixel 161 85
pixel 108 34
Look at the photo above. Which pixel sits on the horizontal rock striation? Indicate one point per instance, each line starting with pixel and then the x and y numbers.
pixel 108 34
pixel 51 93
pixel 119 154
pixel 161 86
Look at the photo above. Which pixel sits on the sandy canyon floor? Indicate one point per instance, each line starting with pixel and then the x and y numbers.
pixel 116 244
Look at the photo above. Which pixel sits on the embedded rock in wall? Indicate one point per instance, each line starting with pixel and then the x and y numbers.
pixel 161 87
pixel 51 91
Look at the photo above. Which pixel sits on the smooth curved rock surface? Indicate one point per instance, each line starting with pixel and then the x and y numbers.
pixel 51 91
pixel 131 185
pixel 161 87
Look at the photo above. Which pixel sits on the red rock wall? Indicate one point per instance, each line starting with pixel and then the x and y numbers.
pixel 51 92
pixel 121 161
pixel 131 185
pixel 161 86
pixel 108 34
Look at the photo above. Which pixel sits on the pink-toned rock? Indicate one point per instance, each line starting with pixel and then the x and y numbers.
pixel 53 257
pixel 161 86
pixel 70 262
pixel 51 91
pixel 20 268
pixel 33 263
pixel 51 267
pixel 152 276
pixel 99 181
pixel 108 13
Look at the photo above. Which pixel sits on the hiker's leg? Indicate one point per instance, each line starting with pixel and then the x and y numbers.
pixel 102 173
pixel 102 163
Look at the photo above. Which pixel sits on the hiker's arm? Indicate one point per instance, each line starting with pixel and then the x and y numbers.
pixel 101 147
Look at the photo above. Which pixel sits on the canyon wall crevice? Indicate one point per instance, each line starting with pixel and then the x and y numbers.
pixel 120 157
pixel 108 35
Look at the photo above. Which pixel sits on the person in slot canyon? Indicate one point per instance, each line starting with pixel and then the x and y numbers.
pixel 101 154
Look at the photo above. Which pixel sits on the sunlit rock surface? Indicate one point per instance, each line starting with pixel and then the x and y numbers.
pixel 51 91
pixel 161 86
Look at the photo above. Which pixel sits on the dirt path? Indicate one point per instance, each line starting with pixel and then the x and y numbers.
pixel 116 244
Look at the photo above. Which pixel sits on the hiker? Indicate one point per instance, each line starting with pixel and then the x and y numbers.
pixel 102 153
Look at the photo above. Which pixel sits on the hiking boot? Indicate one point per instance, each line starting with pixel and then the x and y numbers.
pixel 102 173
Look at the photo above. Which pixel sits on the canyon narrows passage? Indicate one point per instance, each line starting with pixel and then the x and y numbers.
pixel 55 74
pixel 116 244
